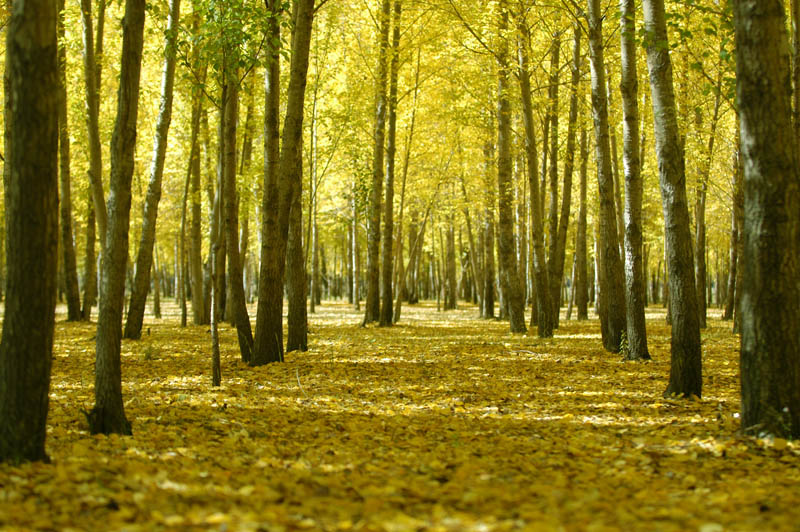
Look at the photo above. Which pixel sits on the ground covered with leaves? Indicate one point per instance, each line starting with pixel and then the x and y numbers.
pixel 444 422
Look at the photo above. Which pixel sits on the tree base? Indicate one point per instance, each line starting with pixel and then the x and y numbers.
pixel 101 421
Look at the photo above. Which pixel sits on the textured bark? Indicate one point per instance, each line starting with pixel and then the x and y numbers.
pixel 686 364
pixel 92 95
pixel 541 311
pixel 240 316
pixel 372 304
pixel 108 414
pixel 581 262
pixel 90 263
pixel 297 331
pixel 67 246
pixel 279 195
pixel 31 203
pixel 770 305
pixel 611 297
pixel 144 257
pixel 509 277
pixel 391 150
pixel 635 284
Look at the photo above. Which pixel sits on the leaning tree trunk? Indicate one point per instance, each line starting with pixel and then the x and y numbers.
pixel 686 363
pixel 541 312
pixel 67 245
pixel 144 258
pixel 770 306
pixel 391 150
pixel 26 349
pixel 634 276
pixel 509 278
pixel 279 195
pixel 108 414
pixel 240 316
pixel 611 303
pixel 373 302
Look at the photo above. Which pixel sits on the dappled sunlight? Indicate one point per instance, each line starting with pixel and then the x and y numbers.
pixel 446 422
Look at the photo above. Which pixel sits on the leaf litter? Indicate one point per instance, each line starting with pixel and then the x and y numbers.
pixel 444 423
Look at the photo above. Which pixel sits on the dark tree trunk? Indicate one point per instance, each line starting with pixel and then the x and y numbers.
pixel 581 260
pixel 770 305
pixel 67 246
pixel 373 301
pixel 200 311
pixel 297 332
pixel 31 203
pixel 489 266
pixel 144 258
pixel 686 375
pixel 108 414
pixel 611 297
pixel 635 285
pixel 279 194
pixel 90 264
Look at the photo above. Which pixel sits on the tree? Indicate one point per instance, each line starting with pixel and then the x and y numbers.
pixel 509 279
pixel 581 280
pixel 31 202
pixel 634 277
pixel 611 297
pixel 686 365
pixel 67 245
pixel 770 304
pixel 144 257
pixel 279 193
pixel 373 303
pixel 108 414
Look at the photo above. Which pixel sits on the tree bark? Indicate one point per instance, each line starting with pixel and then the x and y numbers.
pixel 279 195
pixel 31 203
pixel 67 245
pixel 90 263
pixel 144 257
pixel 611 297
pixel 553 276
pixel 770 304
pixel 372 304
pixel 686 363
pixel 509 278
pixel 635 285
pixel 297 331
pixel 200 310
pixel 581 260
pixel 391 149
pixel 108 414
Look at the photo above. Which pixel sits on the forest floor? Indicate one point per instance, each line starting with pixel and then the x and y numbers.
pixel 444 422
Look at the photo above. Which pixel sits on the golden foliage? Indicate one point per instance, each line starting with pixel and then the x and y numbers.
pixel 444 422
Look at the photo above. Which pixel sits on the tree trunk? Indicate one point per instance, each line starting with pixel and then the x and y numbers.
pixel 90 263
pixel 356 258
pixel 509 278
pixel 581 260
pixel 635 284
pixel 611 297
pixel 686 364
pixel 108 414
pixel 200 310
pixel 26 349
pixel 67 245
pixel 156 284
pixel 240 316
pixel 297 331
pixel 144 258
pixel 387 295
pixel 553 276
pixel 279 194
pixel 770 305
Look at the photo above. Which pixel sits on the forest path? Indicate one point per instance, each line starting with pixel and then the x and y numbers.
pixel 444 422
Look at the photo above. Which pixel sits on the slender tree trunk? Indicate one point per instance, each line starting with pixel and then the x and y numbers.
pixel 554 278
pixel 391 149
pixel 156 284
pixel 240 316
pixel 67 245
pixel 297 335
pixel 541 311
pixel 200 312
pixel 581 260
pixel 686 363
pixel 279 195
pixel 31 193
pixel 635 284
pixel 108 414
pixel 356 258
pixel 770 305
pixel 509 278
pixel 90 264
pixel 144 258
pixel 611 300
